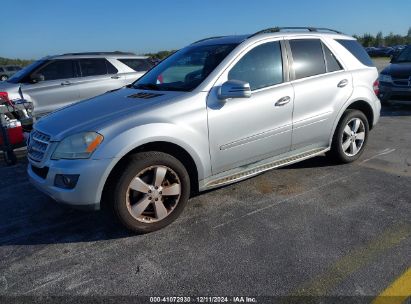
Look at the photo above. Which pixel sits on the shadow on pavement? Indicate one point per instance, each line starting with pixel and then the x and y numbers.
pixel 29 217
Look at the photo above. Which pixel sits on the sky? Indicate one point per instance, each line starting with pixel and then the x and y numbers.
pixel 34 29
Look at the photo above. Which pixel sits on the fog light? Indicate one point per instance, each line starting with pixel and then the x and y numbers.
pixel 66 181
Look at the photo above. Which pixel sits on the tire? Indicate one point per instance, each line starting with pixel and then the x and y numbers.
pixel 339 150
pixel 3 77
pixel 149 208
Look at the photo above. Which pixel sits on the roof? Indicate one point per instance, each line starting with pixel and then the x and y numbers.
pixel 272 32
pixel 97 55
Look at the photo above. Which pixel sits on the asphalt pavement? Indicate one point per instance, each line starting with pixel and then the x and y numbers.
pixel 313 228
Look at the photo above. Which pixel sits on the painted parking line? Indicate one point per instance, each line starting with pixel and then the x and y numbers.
pixel 354 261
pixel 398 292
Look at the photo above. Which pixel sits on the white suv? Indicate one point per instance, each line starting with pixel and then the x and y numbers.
pixel 218 111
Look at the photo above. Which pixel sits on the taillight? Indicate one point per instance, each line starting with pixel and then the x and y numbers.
pixel 4 96
pixel 376 87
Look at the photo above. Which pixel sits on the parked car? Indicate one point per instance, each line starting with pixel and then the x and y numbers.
pixel 380 51
pixel 8 70
pixel 395 79
pixel 215 112
pixel 57 81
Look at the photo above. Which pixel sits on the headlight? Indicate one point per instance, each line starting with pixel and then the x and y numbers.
pixel 385 78
pixel 76 146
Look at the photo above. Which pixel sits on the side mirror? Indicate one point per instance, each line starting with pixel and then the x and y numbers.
pixel 36 78
pixel 234 89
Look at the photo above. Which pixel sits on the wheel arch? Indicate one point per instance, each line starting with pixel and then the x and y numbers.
pixel 359 104
pixel 159 146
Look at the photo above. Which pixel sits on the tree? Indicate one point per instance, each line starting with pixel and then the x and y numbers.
pixel 368 40
pixel 379 39
pixel 392 39
pixel 408 40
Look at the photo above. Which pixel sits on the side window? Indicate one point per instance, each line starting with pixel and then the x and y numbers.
pixel 261 67
pixel 138 65
pixel 58 69
pixel 110 68
pixel 332 62
pixel 356 50
pixel 93 67
pixel 308 58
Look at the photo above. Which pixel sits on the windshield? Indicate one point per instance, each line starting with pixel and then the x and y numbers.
pixel 21 74
pixel 186 69
pixel 404 56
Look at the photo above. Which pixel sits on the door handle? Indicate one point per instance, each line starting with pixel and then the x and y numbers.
pixel 283 101
pixel 66 83
pixel 342 83
pixel 115 77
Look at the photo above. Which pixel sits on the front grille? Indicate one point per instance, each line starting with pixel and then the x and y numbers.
pixel 144 95
pixel 401 97
pixel 41 172
pixel 38 145
pixel 401 82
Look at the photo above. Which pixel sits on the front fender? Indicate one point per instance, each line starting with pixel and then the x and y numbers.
pixel 191 141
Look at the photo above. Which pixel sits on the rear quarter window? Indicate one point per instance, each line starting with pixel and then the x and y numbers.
pixel 138 65
pixel 357 50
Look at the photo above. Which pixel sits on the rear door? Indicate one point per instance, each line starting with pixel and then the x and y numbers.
pixel 98 76
pixel 58 89
pixel 321 87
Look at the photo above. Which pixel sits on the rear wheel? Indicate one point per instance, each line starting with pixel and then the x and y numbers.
pixel 4 77
pixel 150 192
pixel 350 137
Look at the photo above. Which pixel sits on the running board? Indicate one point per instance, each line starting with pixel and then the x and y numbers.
pixel 257 168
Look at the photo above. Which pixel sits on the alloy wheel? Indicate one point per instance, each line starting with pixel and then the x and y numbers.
pixel 353 137
pixel 153 194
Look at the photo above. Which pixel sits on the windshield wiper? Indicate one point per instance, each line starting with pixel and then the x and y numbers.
pixel 147 86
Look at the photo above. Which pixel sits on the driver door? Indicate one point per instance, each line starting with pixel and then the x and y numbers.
pixel 246 130
pixel 59 87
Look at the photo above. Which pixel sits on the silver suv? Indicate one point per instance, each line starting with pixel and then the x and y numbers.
pixel 57 81
pixel 218 111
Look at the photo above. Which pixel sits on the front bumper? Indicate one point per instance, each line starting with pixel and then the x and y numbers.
pixel 87 192
pixel 397 93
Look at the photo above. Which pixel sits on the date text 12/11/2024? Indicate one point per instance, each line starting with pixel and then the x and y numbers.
pixel 203 300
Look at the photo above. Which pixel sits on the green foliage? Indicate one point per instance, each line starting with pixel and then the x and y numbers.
pixel 160 55
pixel 19 62
pixel 392 39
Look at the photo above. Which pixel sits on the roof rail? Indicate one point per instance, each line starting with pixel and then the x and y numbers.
pixel 99 53
pixel 308 28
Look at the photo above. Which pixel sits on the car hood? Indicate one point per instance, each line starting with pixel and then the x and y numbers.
pixel 96 113
pixel 398 70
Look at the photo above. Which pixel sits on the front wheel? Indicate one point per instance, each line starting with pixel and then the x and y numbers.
pixel 150 192
pixel 350 137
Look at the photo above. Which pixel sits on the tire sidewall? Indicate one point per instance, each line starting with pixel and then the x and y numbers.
pixel 136 164
pixel 349 114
